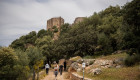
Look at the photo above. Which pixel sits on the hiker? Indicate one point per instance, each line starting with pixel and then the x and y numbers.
pixel 47 68
pixel 61 69
pixel 65 64
pixel 56 70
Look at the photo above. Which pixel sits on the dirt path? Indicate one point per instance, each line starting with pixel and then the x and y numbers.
pixel 52 77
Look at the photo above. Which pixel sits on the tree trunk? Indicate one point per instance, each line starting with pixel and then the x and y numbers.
pixel 33 74
pixel 38 73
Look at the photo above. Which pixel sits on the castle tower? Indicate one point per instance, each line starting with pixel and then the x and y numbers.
pixel 57 21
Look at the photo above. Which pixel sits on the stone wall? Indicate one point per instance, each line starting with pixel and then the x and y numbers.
pixel 57 21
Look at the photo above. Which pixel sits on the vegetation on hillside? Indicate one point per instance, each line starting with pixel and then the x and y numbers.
pixel 102 33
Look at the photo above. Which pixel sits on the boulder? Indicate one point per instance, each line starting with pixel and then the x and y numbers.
pixel 75 65
pixel 95 71
pixel 89 61
pixel 61 61
pixel 103 63
pixel 119 66
pixel 118 61
pixel 80 61
pixel 79 69
pixel 74 59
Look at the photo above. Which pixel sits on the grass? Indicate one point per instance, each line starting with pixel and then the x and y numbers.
pixel 108 57
pixel 113 56
pixel 75 58
pixel 42 74
pixel 126 73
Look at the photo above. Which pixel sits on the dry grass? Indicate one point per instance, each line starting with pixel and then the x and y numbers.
pixel 113 56
pixel 126 73
pixel 75 58
pixel 42 74
pixel 66 75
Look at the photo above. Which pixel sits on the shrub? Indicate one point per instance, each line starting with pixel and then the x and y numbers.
pixel 88 57
pixel 75 58
pixel 132 60
pixel 91 62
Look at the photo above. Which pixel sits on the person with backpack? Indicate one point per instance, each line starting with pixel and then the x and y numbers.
pixel 47 68
pixel 56 71
pixel 61 69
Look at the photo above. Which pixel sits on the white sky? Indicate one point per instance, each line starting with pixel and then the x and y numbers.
pixel 19 17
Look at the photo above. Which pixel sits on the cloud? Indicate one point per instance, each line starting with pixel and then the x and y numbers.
pixel 19 17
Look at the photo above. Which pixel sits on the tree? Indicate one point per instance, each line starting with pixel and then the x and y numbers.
pixel 35 57
pixel 46 46
pixel 55 29
pixel 41 33
pixel 64 28
pixel 21 67
pixel 24 41
pixel 7 62
pixel 31 38
pixel 131 14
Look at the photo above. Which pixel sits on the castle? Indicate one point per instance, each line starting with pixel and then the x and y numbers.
pixel 58 21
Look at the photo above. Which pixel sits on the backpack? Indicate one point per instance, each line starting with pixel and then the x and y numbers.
pixel 55 68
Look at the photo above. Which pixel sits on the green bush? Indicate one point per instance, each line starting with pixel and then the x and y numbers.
pixel 132 60
pixel 88 57
pixel 91 62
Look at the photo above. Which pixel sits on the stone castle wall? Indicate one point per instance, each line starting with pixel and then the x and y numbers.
pixel 57 21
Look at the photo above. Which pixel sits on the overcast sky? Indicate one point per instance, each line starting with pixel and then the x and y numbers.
pixel 19 17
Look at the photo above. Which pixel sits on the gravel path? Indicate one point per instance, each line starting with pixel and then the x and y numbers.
pixel 51 76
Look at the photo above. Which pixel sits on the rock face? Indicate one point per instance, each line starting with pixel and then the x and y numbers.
pixel 61 61
pixel 95 71
pixel 75 65
pixel 103 63
pixel 87 61
pixel 98 63
pixel 94 66
pixel 118 61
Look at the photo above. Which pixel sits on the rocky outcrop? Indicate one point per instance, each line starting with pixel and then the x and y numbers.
pixel 75 76
pixel 103 63
pixel 87 61
pixel 75 65
pixel 94 66
pixel 95 71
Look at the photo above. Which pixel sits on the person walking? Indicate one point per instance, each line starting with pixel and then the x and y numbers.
pixel 47 68
pixel 61 69
pixel 56 71
pixel 65 64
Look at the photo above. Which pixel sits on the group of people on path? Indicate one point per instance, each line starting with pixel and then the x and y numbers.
pixel 56 68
